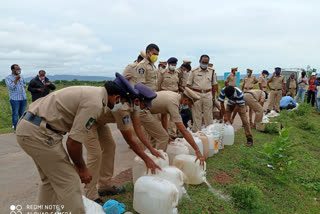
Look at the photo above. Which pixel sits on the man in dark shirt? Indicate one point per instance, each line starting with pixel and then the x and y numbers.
pixel 40 86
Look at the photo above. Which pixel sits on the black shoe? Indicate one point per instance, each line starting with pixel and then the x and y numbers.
pixel 250 142
pixel 268 111
pixel 99 201
pixel 113 191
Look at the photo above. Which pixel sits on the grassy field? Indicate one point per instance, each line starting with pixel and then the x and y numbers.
pixel 242 173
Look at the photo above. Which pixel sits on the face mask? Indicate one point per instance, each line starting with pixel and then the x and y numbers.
pixel 265 76
pixel 116 106
pixel 172 67
pixel 183 107
pixel 248 74
pixel 278 73
pixel 185 72
pixel 153 58
pixel 18 72
pixel 137 108
pixel 203 66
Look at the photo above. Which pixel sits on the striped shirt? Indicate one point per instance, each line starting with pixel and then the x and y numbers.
pixel 237 97
pixel 16 91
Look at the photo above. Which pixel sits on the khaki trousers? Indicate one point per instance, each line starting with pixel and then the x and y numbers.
pixel 255 106
pixel 244 118
pixel 101 150
pixel 60 183
pixel 274 100
pixel 157 135
pixel 204 105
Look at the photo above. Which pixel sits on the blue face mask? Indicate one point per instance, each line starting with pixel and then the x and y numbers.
pixel 278 73
pixel 183 107
pixel 248 73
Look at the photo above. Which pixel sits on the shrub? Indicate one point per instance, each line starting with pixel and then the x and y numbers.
pixel 245 196
pixel 303 109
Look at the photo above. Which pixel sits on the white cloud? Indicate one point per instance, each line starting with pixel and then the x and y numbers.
pixel 77 36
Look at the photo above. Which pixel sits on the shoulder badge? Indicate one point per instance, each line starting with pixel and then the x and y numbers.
pixel 90 123
pixel 141 70
pixel 126 120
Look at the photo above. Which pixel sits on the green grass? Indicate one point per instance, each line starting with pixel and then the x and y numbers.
pixel 241 172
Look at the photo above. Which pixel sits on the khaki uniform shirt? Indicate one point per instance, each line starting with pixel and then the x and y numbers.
pixel 167 102
pixel 73 109
pixel 168 81
pixel 263 81
pixel 130 73
pixel 293 84
pixel 249 81
pixel 122 117
pixel 256 93
pixel 201 79
pixel 231 80
pixel 147 74
pixel 183 77
pixel 277 82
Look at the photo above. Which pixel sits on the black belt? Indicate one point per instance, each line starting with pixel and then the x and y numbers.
pixel 34 119
pixel 292 88
pixel 276 89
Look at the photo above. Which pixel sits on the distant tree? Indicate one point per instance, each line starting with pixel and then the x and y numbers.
pixel 3 82
pixel 309 70
pixel 57 82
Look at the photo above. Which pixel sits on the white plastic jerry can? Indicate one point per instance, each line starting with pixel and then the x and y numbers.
pixel 139 167
pixel 174 175
pixel 176 148
pixel 198 143
pixel 228 135
pixel 153 195
pixel 194 172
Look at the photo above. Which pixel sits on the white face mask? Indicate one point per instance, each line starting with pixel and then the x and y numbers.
pixel 137 108
pixel 203 66
pixel 185 72
pixel 172 67
pixel 116 106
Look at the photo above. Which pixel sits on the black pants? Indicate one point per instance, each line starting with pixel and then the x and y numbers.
pixel 290 106
pixel 186 116
pixel 311 96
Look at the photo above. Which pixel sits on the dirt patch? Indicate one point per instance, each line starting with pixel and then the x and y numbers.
pixel 223 178
pixel 122 178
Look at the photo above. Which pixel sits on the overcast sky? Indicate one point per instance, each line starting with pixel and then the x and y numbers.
pixel 100 37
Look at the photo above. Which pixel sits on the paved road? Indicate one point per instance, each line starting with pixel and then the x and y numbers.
pixel 19 178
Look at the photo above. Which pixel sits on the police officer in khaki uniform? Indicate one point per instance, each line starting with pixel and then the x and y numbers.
pixel 101 147
pixel 232 78
pixel 39 133
pixel 130 72
pixel 249 81
pixel 147 72
pixel 216 114
pixel 201 80
pixel 168 79
pixel 292 85
pixel 148 76
pixel 277 90
pixel 183 73
pixel 236 104
pixel 262 80
pixel 169 103
pixel 162 65
pixel 255 100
